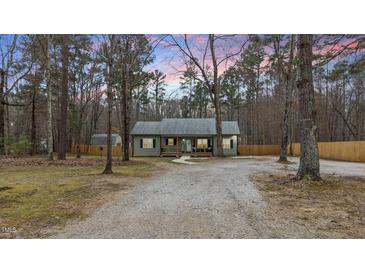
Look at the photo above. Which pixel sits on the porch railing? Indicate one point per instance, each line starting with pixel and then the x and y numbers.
pixel 202 151
pixel 170 150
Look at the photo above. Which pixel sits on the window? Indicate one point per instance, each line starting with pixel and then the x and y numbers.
pixel 227 143
pixel 148 143
pixel 202 143
pixel 170 141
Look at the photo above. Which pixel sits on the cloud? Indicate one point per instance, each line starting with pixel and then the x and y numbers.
pixel 346 44
pixel 171 61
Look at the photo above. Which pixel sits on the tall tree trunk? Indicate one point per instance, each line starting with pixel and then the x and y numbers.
pixel 33 132
pixel 78 135
pixel 2 112
pixel 126 118
pixel 62 145
pixel 7 127
pixel 216 96
pixel 309 157
pixel 157 110
pixel 285 129
pixel 138 107
pixel 49 103
pixel 200 109
pixel 249 130
pixel 289 82
pixel 109 156
pixel 218 125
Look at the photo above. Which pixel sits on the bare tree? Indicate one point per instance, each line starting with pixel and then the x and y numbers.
pixel 158 86
pixel 96 111
pixel 49 101
pixel 109 48
pixel 135 52
pixel 2 112
pixel 248 87
pixel 62 143
pixel 126 97
pixel 289 76
pixel 309 156
pixel 33 134
pixel 17 70
pixel 209 75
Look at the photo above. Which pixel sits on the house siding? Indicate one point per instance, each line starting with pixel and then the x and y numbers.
pixel 138 151
pixel 226 152
pixel 164 140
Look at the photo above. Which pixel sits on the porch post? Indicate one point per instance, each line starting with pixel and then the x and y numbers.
pixel 195 145
pixel 178 146
pixel 132 146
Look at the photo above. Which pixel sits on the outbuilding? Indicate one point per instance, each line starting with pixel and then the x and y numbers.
pixel 101 140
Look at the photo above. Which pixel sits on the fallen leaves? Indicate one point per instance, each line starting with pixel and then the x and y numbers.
pixel 29 161
pixel 332 208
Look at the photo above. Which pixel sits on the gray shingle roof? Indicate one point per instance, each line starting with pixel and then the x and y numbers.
pixel 101 139
pixel 146 128
pixel 186 126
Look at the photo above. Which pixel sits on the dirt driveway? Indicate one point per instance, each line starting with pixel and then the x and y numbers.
pixel 214 199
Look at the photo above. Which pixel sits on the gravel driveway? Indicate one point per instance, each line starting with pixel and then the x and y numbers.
pixel 214 199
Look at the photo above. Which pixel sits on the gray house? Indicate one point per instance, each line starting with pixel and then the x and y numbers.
pixel 175 137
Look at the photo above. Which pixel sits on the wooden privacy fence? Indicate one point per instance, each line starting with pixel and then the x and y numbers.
pixel 258 150
pixel 353 151
pixel 98 150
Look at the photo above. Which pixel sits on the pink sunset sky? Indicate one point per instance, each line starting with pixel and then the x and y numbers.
pixel 170 60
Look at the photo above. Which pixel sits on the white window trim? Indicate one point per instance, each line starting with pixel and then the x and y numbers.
pixel 168 141
pixel 226 143
pixel 205 144
pixel 148 144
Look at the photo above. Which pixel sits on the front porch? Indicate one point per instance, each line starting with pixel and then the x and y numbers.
pixel 182 145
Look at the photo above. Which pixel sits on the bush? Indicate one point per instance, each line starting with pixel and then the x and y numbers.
pixel 21 147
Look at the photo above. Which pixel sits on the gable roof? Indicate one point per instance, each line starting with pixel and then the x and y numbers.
pixel 184 126
pixel 101 139
pixel 146 128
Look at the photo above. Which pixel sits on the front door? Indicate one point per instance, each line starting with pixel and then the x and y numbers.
pixel 188 145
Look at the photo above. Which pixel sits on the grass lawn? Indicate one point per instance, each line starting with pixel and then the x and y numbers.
pixel 332 208
pixel 36 197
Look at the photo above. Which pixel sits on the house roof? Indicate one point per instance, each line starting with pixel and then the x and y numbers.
pixel 184 126
pixel 146 128
pixel 101 139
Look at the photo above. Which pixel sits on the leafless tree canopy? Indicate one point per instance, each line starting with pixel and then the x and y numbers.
pixel 60 90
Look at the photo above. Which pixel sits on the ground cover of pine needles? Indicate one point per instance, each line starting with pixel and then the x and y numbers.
pixel 331 208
